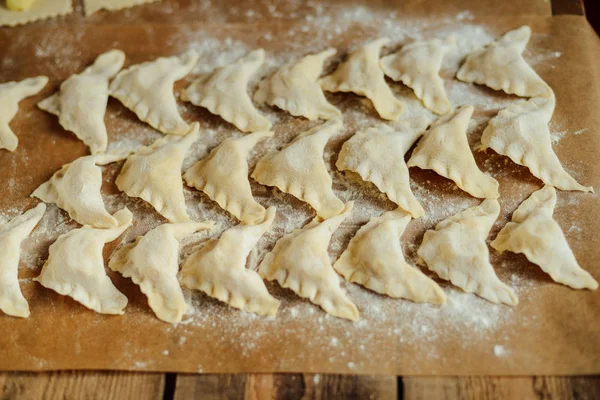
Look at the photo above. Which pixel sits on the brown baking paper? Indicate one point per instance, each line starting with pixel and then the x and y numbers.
pixel 553 330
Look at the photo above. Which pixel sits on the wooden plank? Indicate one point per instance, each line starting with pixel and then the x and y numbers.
pixel 501 388
pixel 284 386
pixel 568 7
pixel 81 385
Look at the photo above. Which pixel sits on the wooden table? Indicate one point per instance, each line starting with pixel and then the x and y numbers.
pixel 130 385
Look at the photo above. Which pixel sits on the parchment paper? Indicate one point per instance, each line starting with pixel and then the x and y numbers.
pixel 554 330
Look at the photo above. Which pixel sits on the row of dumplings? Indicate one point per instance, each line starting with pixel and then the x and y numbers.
pixel 455 250
pixel 153 173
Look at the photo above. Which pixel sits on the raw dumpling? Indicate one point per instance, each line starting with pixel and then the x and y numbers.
pixel 294 88
pixel 445 149
pixel 147 90
pixel 12 234
pixel 11 93
pixel 300 262
pixel 76 189
pixel 417 65
pixel 456 251
pixel 40 9
pixel 223 176
pixel 80 103
pixel 219 269
pixel 75 267
pixel 374 259
pixel 501 66
pixel 153 173
pixel 91 6
pixel 521 132
pixel 536 234
pixel 299 169
pixel 377 155
pixel 361 74
pixel 152 263
pixel 225 93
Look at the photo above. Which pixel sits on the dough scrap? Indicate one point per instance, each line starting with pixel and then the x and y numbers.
pixel 521 132
pixel 219 269
pixel 91 6
pixel 361 74
pixel 153 173
pixel 534 233
pixel 294 88
pixel 223 176
pixel 299 169
pixel 417 65
pixel 300 262
pixel 76 189
pixel 40 9
pixel 12 234
pixel 225 93
pixel 377 155
pixel 445 149
pixel 456 251
pixel 75 267
pixel 501 66
pixel 152 263
pixel 147 90
pixel 374 259
pixel 11 93
pixel 80 104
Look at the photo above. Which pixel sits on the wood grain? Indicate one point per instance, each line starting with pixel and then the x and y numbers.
pixel 81 385
pixel 285 386
pixel 501 388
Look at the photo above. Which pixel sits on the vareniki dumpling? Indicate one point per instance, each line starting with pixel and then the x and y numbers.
pixel 300 262
pixel 361 74
pixel 294 88
pixel 299 169
pixel 219 269
pixel 75 267
pixel 152 262
pixel 374 259
pixel 12 234
pixel 534 233
pixel 80 104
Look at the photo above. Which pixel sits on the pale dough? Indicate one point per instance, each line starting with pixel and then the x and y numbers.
pixel 445 149
pixel 374 259
pixel 80 104
pixel 12 234
pixel 223 176
pixel 456 250
pixel 225 93
pixel 377 155
pixel 299 169
pixel 91 6
pixel 40 9
pixel 153 173
pixel 361 74
pixel 75 267
pixel 521 132
pixel 300 262
pixel 417 65
pixel 152 263
pixel 219 269
pixel 76 189
pixel 501 66
pixel 294 88
pixel 11 93
pixel 536 234
pixel 147 90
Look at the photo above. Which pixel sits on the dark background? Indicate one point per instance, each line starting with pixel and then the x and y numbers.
pixel 592 10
